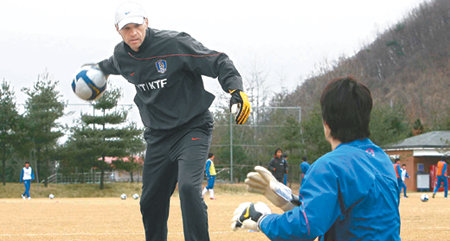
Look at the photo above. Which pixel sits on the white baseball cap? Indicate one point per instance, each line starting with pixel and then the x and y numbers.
pixel 129 12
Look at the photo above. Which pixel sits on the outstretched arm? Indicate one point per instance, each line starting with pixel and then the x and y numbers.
pixel 109 66
pixel 263 182
pixel 204 61
pixel 314 216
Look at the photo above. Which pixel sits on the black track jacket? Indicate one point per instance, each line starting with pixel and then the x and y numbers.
pixel 167 73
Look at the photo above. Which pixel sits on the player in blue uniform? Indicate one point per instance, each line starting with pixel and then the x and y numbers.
pixel 350 193
pixel 26 176
pixel 398 174
pixel 304 166
pixel 404 175
pixel 211 176
pixel 441 175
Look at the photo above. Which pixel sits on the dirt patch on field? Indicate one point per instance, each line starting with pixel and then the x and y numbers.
pixel 115 219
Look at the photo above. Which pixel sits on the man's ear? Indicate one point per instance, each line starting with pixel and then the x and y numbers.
pixel 326 129
pixel 146 22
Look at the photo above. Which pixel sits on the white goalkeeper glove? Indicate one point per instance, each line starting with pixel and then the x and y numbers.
pixel 248 215
pixel 263 182
pixel 96 66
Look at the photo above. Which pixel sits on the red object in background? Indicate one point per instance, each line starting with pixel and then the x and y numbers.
pixel 434 178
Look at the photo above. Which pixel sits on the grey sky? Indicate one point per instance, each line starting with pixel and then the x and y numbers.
pixel 285 39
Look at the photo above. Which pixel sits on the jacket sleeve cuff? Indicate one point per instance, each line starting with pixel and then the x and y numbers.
pixel 263 221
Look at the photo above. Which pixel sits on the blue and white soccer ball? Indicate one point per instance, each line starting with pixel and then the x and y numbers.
pixel 135 196
pixel 89 82
pixel 51 196
pixel 123 196
pixel 424 198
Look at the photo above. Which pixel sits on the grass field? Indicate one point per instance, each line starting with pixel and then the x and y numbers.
pixel 64 219
pixel 13 190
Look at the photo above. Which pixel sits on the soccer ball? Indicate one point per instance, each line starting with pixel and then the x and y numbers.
pixel 89 82
pixel 123 196
pixel 135 196
pixel 424 198
pixel 51 196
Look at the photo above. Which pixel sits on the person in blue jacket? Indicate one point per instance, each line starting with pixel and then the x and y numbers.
pixel 398 174
pixel 404 175
pixel 210 172
pixel 304 166
pixel 26 176
pixel 441 175
pixel 350 193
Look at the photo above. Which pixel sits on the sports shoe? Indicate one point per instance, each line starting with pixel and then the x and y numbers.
pixel 405 196
pixel 29 198
pixel 212 198
pixel 434 194
pixel 23 197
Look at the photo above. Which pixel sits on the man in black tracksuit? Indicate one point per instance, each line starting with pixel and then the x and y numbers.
pixel 277 166
pixel 166 69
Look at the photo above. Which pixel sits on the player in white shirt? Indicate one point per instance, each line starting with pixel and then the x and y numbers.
pixel 404 175
pixel 26 176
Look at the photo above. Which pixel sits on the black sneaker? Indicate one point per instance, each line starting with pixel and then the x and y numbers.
pixel 434 194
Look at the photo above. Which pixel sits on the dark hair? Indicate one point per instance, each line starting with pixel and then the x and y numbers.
pixel 276 150
pixel 304 158
pixel 210 155
pixel 27 162
pixel 404 165
pixel 285 155
pixel 346 105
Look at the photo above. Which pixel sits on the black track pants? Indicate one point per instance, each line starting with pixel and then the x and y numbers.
pixel 173 156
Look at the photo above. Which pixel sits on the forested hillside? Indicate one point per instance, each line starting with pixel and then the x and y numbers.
pixel 406 66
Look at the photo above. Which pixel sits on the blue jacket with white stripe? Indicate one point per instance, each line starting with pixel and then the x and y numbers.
pixel 349 193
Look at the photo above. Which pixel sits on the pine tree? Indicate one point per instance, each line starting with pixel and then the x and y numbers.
pixel 99 136
pixel 8 125
pixel 42 110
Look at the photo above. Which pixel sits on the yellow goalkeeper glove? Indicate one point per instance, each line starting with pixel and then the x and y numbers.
pixel 240 106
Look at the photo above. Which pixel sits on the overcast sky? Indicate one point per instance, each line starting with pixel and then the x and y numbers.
pixel 286 39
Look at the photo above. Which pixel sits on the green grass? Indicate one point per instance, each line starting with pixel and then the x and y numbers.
pixel 229 188
pixel 13 190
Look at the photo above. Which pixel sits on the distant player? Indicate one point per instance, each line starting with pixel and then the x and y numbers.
pixel 277 165
pixel 210 176
pixel 26 176
pixel 404 176
pixel 350 193
pixel 398 174
pixel 441 175
pixel 304 166
pixel 166 68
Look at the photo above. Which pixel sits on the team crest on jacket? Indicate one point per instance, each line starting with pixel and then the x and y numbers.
pixel 161 66
pixel 370 152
